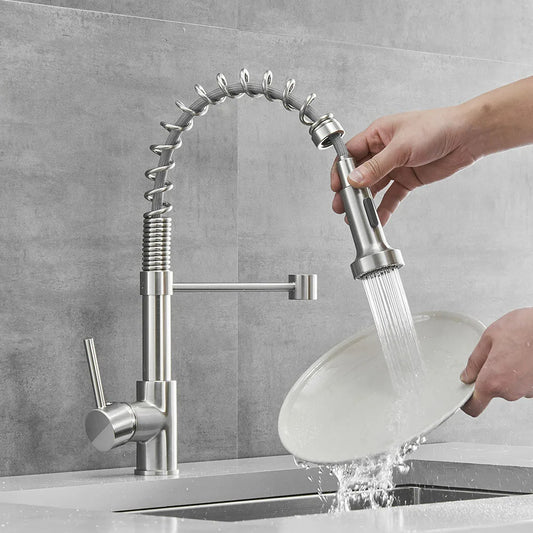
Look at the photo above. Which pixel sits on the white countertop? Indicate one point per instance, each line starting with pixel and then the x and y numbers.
pixel 62 502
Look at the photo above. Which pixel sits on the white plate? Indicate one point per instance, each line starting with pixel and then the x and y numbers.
pixel 342 407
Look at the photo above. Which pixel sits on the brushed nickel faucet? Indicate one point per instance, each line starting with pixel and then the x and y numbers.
pixel 151 421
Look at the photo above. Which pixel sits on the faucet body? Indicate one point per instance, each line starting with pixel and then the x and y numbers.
pixel 151 421
pixel 157 454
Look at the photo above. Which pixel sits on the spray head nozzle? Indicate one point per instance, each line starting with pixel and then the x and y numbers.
pixel 372 250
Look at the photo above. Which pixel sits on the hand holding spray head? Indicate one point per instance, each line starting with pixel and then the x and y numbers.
pixel 372 250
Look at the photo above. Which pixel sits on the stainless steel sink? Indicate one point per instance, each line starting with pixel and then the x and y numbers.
pixel 222 495
pixel 311 504
pixel 267 487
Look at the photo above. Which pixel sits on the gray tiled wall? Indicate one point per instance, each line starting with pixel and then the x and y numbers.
pixel 486 29
pixel 82 97
pixel 82 93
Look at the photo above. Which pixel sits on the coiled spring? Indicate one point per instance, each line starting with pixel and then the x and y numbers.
pixel 160 207
pixel 156 243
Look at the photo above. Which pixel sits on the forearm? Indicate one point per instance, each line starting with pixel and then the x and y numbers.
pixel 500 119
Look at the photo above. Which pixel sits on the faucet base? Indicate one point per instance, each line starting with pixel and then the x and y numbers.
pixel 159 473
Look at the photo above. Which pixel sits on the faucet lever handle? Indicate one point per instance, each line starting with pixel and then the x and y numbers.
pixel 94 370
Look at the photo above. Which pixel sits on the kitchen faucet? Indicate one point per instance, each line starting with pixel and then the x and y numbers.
pixel 151 421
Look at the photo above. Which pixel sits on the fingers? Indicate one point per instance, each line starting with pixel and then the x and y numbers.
pixel 391 200
pixel 334 177
pixel 337 205
pixel 477 359
pixel 477 403
pixel 398 192
pixel 359 149
pixel 481 396
pixel 380 185
pixel 501 364
pixel 358 145
pixel 377 167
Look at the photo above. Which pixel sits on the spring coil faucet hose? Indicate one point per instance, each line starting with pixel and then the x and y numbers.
pixel 372 251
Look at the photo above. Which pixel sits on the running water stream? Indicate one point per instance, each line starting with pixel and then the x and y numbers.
pixel 395 328
pixel 368 481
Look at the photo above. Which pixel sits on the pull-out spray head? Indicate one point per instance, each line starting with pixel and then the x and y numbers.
pixel 372 250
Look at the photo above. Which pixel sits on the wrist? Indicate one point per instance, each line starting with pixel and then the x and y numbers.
pixel 480 128
pixel 499 120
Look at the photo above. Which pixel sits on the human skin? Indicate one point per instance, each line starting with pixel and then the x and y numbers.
pixel 408 150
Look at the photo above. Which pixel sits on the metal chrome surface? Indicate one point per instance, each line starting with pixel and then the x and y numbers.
pixel 305 287
pixel 156 337
pixel 94 371
pixel 151 421
pixel 311 504
pixel 372 250
pixel 156 244
pixel 299 287
pixel 233 287
pixel 157 446
pixel 110 426
pixel 156 282
pixel 322 128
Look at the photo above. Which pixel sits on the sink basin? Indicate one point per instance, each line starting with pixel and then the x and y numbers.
pixel 233 495
pixel 236 490
pixel 255 509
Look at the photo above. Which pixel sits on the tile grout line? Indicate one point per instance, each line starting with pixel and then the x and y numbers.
pixel 383 47
pixel 238 29
pixel 123 15
pixel 238 296
pixel 237 211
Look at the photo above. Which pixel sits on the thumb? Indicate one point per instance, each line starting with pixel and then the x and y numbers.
pixel 477 359
pixel 377 167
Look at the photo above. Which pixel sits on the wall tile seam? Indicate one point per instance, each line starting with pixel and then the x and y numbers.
pixel 123 15
pixel 383 47
pixel 238 251
pixel 236 29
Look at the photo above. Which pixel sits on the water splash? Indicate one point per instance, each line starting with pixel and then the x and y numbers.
pixel 368 482
pixel 395 328
pixel 365 483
